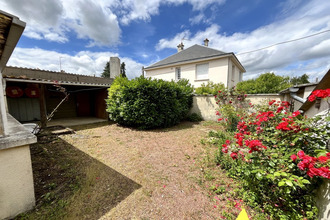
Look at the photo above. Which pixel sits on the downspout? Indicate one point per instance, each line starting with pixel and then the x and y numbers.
pixel 228 73
pixel 293 94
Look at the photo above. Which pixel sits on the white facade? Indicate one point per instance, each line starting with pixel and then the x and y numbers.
pixel 221 70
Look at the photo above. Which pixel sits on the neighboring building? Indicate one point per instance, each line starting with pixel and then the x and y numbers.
pixel 319 105
pixel 16 179
pixel 199 64
pixel 32 95
pixel 297 95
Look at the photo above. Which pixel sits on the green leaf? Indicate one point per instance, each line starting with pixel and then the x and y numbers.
pixel 271 164
pixel 305 181
pixel 259 176
pixel 277 174
pixel 289 182
pixel 281 183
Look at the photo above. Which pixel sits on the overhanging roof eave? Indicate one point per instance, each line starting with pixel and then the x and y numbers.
pixel 16 29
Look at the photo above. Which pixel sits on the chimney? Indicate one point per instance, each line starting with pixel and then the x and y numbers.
pixel 114 67
pixel 180 47
pixel 206 42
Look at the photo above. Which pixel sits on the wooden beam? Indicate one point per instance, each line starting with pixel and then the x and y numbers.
pixel 42 103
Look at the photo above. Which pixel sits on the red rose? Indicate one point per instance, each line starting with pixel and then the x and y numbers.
pixel 301 154
pixel 293 157
pixel 233 155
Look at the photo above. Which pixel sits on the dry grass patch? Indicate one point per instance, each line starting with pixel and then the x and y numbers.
pixel 112 172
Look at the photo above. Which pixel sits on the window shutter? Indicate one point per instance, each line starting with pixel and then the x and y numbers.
pixel 202 71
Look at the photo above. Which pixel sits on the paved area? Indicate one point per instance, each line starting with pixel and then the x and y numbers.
pixel 67 122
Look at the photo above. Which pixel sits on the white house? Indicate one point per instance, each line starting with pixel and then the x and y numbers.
pixel 199 64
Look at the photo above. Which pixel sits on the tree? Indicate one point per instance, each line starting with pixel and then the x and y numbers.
pixel 122 70
pixel 297 80
pixel 106 70
pixel 265 83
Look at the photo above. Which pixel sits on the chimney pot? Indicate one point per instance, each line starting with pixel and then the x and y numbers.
pixel 180 47
pixel 206 42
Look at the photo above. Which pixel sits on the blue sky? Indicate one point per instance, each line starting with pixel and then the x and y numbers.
pixel 83 34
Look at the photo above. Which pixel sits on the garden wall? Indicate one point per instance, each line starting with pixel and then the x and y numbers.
pixel 206 106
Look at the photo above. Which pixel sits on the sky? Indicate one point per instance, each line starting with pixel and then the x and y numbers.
pixel 79 36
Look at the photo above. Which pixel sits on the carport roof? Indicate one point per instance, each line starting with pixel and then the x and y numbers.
pixel 17 74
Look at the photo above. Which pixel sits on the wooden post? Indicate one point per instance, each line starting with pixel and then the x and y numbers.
pixel 42 103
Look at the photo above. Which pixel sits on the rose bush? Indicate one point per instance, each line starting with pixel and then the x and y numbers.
pixel 231 103
pixel 281 158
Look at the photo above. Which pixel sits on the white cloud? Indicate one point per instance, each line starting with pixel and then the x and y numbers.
pixel 96 21
pixel 53 20
pixel 144 9
pixel 83 62
pixel 311 18
pixel 200 18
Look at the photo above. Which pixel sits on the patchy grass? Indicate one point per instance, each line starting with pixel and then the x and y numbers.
pixel 112 172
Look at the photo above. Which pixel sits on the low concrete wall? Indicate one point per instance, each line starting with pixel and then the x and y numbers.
pixel 322 200
pixel 16 179
pixel 206 106
pixel 257 99
pixel 16 185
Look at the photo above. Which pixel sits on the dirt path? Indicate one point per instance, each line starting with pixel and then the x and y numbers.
pixel 164 163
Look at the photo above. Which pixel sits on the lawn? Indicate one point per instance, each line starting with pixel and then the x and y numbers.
pixel 106 171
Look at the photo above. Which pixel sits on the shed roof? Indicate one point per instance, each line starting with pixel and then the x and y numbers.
pixel 191 54
pixel 18 74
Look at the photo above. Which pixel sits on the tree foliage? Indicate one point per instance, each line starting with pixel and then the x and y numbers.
pixel 265 83
pixel 106 70
pixel 297 80
pixel 122 70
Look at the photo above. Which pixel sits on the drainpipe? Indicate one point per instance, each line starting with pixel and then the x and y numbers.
pixel 293 94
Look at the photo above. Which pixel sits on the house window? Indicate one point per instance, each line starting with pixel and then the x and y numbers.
pixel 202 71
pixel 177 73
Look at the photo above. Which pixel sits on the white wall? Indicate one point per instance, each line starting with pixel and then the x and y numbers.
pixel 218 70
pixel 16 182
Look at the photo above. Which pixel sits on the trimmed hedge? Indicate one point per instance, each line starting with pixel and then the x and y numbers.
pixel 146 103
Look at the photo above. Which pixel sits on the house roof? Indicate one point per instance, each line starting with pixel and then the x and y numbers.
pixel 323 84
pixel 11 29
pixel 191 54
pixel 18 74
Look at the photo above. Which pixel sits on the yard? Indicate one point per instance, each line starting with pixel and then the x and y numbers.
pixel 111 172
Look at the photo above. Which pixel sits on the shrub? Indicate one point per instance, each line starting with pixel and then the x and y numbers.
pixel 280 158
pixel 146 103
pixel 194 117
pixel 209 88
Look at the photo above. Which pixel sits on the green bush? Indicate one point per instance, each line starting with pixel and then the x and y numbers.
pixel 209 88
pixel 146 103
pixel 194 117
